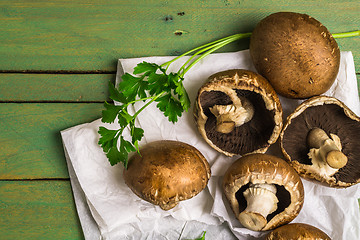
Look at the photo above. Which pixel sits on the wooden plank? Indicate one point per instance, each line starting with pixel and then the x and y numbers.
pixel 55 87
pixel 74 35
pixel 358 81
pixel 30 141
pixel 38 210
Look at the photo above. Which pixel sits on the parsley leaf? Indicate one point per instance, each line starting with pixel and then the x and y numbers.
pixel 202 236
pixel 117 155
pixel 146 68
pixel 170 106
pixel 115 94
pixel 157 83
pixel 110 113
pixel 133 86
pixel 150 83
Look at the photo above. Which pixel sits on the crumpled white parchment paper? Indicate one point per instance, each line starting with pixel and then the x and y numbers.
pixel 109 210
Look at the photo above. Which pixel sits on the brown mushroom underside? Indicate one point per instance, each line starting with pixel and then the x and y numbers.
pixel 227 88
pixel 332 119
pixel 254 134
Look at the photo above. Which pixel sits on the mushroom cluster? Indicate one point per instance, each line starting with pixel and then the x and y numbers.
pixel 238 113
pixel 166 172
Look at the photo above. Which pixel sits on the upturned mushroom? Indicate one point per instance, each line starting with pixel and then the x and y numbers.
pixel 264 191
pixel 296 53
pixel 298 231
pixel 320 139
pixel 166 172
pixel 238 112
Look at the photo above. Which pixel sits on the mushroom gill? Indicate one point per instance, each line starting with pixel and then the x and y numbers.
pixel 339 135
pixel 244 138
pixel 238 112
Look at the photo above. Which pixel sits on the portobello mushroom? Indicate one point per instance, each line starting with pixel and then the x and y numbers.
pixel 321 140
pixel 264 191
pixel 166 172
pixel 296 53
pixel 238 112
pixel 298 231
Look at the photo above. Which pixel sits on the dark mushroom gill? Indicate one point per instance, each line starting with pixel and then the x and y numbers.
pixel 247 137
pixel 332 119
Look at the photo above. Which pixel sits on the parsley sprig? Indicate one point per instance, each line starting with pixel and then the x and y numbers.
pixel 150 83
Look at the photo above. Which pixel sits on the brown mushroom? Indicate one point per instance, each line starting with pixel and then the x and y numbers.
pixel 166 172
pixel 296 53
pixel 237 112
pixel 321 141
pixel 298 231
pixel 264 191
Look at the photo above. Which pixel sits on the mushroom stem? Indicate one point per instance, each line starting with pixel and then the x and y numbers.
pixel 261 201
pixel 233 115
pixel 329 152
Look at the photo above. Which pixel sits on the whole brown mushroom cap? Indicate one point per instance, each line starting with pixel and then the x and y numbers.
pixel 264 169
pixel 228 88
pixel 339 123
pixel 297 231
pixel 167 172
pixel 296 53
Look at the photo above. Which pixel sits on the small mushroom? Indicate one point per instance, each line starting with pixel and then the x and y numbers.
pixel 238 112
pixel 299 231
pixel 264 191
pixel 166 172
pixel 296 53
pixel 321 140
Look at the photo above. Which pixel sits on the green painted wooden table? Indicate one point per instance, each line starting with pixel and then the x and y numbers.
pixel 56 58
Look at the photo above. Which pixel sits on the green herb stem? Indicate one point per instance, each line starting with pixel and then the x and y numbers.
pixel 139 100
pixel 211 44
pixel 147 104
pixel 213 49
pixel 209 48
pixel 347 34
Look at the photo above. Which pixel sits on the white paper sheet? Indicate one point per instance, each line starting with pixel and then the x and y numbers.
pixel 119 214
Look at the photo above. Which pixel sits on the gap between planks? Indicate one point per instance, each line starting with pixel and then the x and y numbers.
pixel 58 71
pixel 49 101
pixel 34 179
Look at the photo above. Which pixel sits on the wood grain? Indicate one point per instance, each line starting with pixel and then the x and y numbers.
pixel 49 38
pixel 38 210
pixel 30 141
pixel 78 35
pixel 55 87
